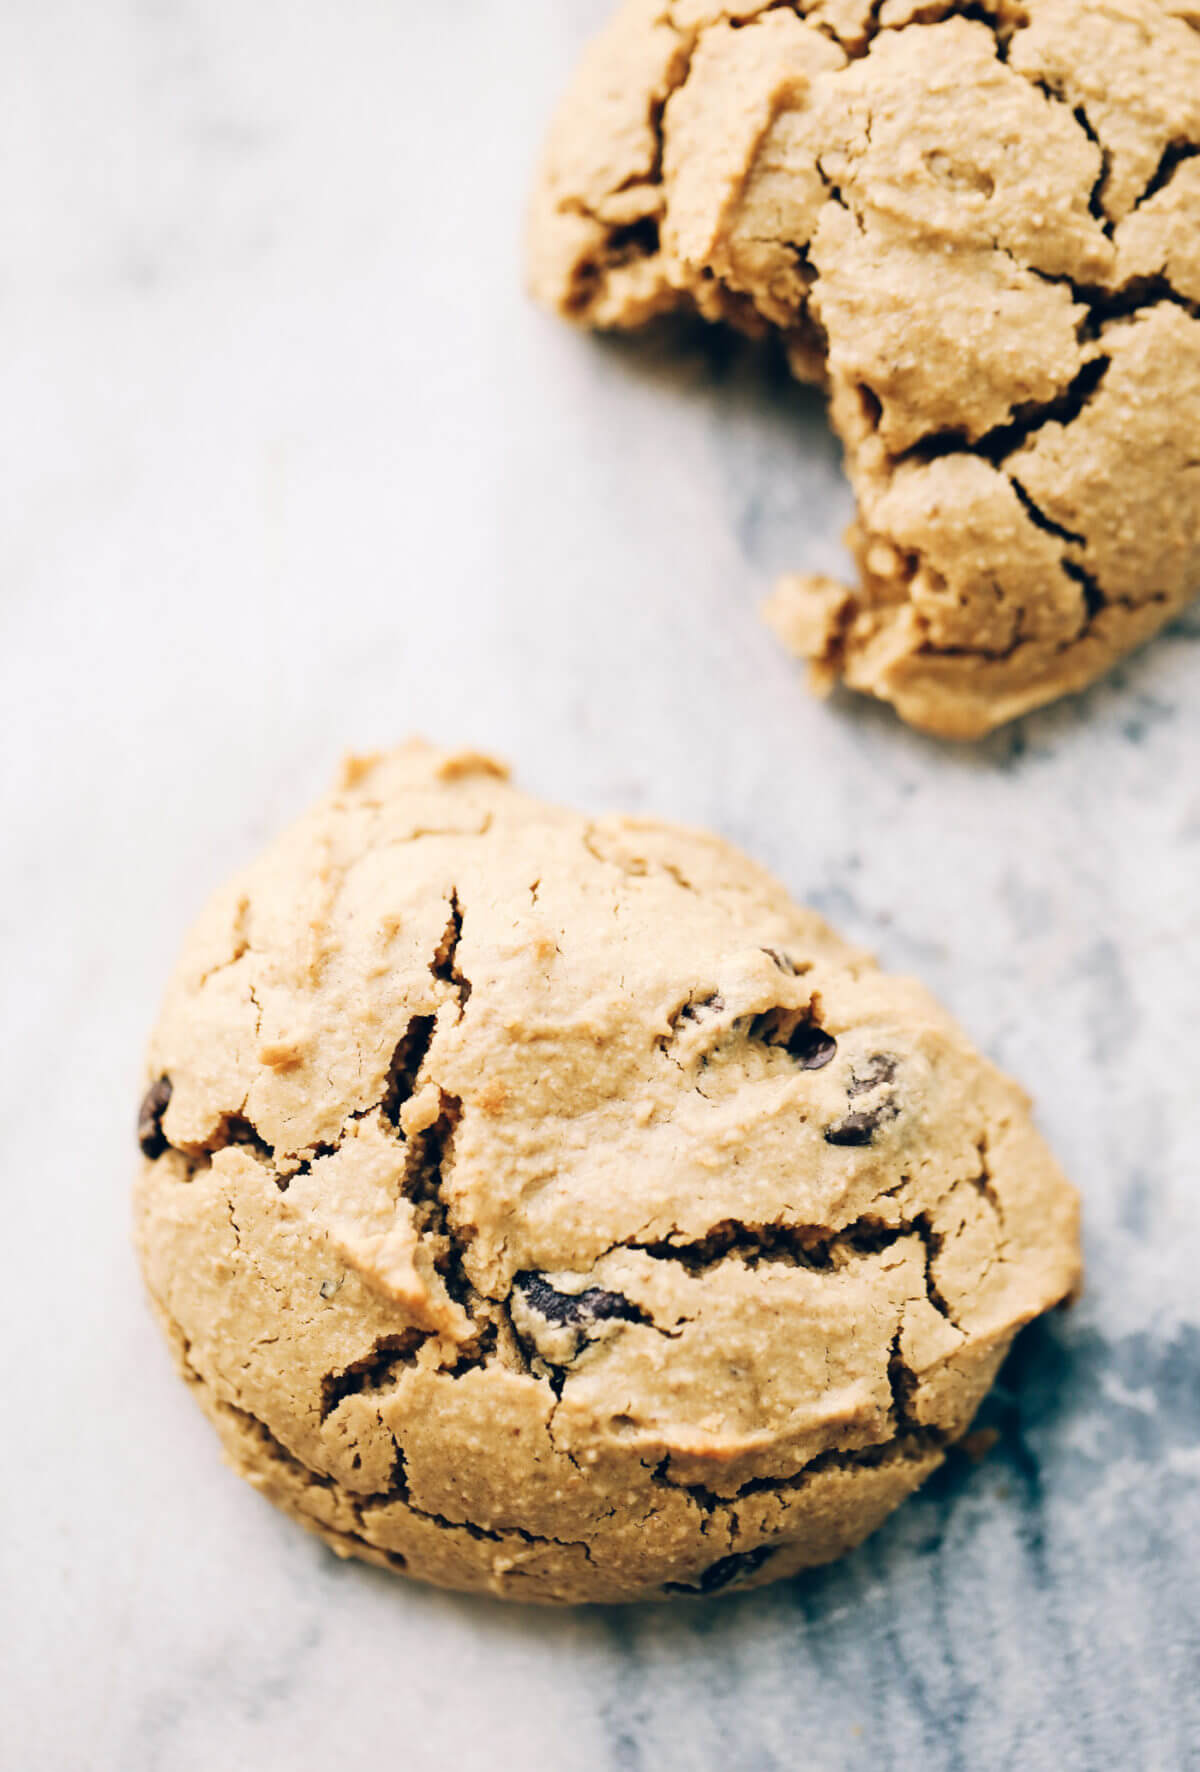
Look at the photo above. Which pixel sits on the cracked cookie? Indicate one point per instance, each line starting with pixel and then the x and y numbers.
pixel 550 1207
pixel 978 226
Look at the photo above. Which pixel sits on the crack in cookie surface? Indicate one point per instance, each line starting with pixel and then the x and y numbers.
pixel 979 226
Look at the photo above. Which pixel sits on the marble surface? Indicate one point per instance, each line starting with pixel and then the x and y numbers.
pixel 289 465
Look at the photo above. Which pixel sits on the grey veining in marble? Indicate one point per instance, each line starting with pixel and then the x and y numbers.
pixel 288 465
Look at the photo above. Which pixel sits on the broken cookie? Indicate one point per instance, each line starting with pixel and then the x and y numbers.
pixel 550 1207
pixel 978 227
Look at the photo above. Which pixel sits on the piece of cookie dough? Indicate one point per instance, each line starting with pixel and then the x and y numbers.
pixel 550 1207
pixel 982 234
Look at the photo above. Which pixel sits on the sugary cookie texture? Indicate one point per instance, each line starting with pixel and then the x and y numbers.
pixel 548 1206
pixel 982 234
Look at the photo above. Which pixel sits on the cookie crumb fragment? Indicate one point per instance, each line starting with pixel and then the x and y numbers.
pixel 809 613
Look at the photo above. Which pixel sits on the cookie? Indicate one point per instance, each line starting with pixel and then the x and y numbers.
pixel 548 1206
pixel 978 226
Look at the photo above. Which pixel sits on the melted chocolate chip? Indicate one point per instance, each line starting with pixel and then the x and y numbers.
pixel 803 1041
pixel 880 1068
pixel 860 1126
pixel 854 1129
pixel 724 1573
pixel 574 1309
pixel 149 1129
pixel 811 1047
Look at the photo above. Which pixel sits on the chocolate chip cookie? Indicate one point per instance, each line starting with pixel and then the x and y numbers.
pixel 978 226
pixel 548 1206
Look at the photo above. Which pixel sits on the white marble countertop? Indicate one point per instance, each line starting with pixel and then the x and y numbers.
pixel 288 466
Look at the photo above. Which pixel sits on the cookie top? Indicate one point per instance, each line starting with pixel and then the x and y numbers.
pixel 983 235
pixel 549 1205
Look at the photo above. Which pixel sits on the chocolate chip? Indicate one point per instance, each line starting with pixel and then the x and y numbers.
pixel 803 1041
pixel 574 1309
pixel 149 1129
pixel 860 1126
pixel 880 1068
pixel 811 1047
pixel 725 1572
pixel 854 1129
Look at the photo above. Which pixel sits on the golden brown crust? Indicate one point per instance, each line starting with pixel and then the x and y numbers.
pixel 551 1207
pixel 984 233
